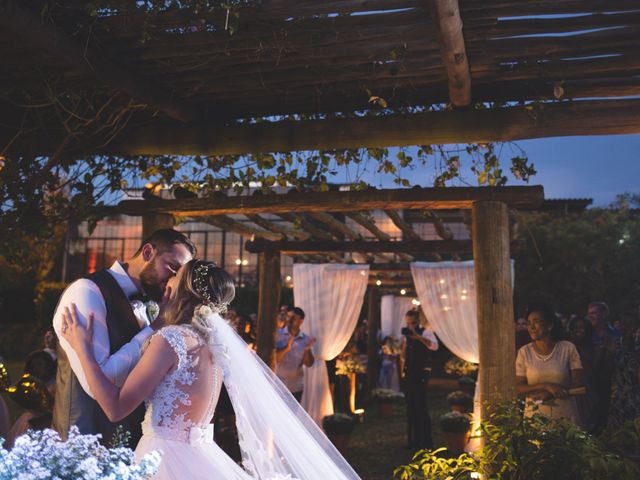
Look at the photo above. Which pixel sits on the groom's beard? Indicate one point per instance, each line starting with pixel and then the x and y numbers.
pixel 151 283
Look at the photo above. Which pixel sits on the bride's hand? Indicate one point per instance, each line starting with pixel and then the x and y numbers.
pixel 78 335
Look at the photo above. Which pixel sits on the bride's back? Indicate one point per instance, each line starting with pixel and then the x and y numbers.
pixel 188 394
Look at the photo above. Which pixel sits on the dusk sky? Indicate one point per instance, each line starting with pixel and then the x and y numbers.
pixel 597 167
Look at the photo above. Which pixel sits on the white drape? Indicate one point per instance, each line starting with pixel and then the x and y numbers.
pixel 447 294
pixel 331 296
pixel 392 310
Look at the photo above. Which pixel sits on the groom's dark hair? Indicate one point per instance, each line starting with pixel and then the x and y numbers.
pixel 165 238
pixel 298 311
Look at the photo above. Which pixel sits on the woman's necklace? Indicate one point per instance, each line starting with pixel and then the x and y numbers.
pixel 545 358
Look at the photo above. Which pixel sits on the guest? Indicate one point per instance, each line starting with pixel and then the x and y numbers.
pixel 625 398
pixel 31 395
pixel 5 421
pixel 389 377
pixel 418 343
pixel 293 350
pixel 605 338
pixel 580 334
pixel 51 343
pixel 244 327
pixel 281 321
pixel 547 367
pixel 522 334
pixel 43 367
pixel 360 336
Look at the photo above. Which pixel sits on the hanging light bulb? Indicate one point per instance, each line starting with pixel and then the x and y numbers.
pixel 403 292
pixel 378 282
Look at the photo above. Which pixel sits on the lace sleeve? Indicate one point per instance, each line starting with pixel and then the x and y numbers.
pixel 175 337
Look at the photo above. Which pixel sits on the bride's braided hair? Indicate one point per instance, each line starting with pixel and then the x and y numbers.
pixel 202 283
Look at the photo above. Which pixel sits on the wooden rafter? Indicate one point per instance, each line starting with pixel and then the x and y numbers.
pixel 370 224
pixel 308 247
pixel 32 31
pixel 277 228
pixel 446 16
pixel 406 229
pixel 247 231
pixel 597 117
pixel 338 228
pixel 347 201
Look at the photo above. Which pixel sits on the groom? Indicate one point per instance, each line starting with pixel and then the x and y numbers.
pixel 116 297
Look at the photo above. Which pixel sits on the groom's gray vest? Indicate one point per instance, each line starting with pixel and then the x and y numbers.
pixel 72 404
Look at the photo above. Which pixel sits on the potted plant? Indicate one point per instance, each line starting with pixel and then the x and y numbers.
pixel 385 398
pixel 460 402
pixel 338 428
pixel 457 430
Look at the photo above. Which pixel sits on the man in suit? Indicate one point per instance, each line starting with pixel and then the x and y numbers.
pixel 119 298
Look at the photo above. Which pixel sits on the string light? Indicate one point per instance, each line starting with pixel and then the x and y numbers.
pixel 403 292
pixel 443 296
pixel 378 282
pixel 446 309
pixel 245 262
pixel 238 261
pixel 288 278
pixel 442 281
pixel 463 297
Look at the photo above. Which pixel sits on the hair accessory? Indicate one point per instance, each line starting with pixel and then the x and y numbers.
pixel 201 286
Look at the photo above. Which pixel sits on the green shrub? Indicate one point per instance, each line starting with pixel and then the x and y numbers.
pixel 534 448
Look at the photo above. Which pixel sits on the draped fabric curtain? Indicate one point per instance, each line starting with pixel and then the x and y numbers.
pixel 447 294
pixel 392 310
pixel 331 296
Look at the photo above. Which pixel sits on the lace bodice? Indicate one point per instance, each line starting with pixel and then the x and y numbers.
pixel 182 405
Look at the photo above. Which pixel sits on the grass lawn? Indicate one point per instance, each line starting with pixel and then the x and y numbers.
pixel 377 446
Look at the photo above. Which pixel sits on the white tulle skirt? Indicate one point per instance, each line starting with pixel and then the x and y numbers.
pixel 184 460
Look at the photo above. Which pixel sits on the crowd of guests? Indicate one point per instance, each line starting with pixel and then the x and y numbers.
pixel 582 368
pixel 33 393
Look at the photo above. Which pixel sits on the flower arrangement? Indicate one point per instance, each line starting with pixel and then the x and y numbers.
pixel 460 368
pixel 455 422
pixel 43 455
pixel 462 400
pixel 338 423
pixel 350 364
pixel 385 395
pixel 392 347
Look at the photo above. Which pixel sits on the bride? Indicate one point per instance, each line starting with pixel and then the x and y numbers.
pixel 179 377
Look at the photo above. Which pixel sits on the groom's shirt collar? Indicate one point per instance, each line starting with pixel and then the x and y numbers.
pixel 121 276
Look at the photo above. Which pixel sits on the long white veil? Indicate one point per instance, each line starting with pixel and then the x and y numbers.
pixel 278 439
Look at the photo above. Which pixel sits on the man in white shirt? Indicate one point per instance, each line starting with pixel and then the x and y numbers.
pixel 293 350
pixel 416 355
pixel 121 325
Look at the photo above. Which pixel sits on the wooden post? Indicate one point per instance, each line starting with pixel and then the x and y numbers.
pixel 373 326
pixel 494 294
pixel 155 221
pixel 270 286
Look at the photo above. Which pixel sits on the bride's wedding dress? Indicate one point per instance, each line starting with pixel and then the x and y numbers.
pixel 278 440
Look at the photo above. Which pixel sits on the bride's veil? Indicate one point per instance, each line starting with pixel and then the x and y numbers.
pixel 278 439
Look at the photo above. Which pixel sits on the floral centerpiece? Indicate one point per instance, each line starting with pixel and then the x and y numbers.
pixel 350 364
pixel 460 368
pixel 392 347
pixel 460 401
pixel 43 455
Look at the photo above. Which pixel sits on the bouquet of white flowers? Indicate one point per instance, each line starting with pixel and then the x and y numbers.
pixel 42 455
pixel 351 364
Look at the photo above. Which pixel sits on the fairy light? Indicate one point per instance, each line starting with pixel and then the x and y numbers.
pixel 403 292
pixel 378 282
pixel 238 261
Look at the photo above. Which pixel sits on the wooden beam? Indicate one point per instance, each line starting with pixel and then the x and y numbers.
pixel 314 247
pixel 430 198
pixel 598 117
pixel 278 228
pixel 370 224
pixel 494 300
pixel 30 30
pixel 269 288
pixel 373 327
pixel 406 229
pixel 446 16
pixel 338 228
pixel 230 225
pixel 306 225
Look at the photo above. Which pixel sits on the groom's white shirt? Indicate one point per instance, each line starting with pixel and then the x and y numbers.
pixel 87 297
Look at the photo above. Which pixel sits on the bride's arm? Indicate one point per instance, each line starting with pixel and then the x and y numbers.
pixel 116 402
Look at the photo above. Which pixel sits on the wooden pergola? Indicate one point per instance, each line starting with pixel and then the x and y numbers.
pixel 316 229
pixel 326 75
pixel 194 85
